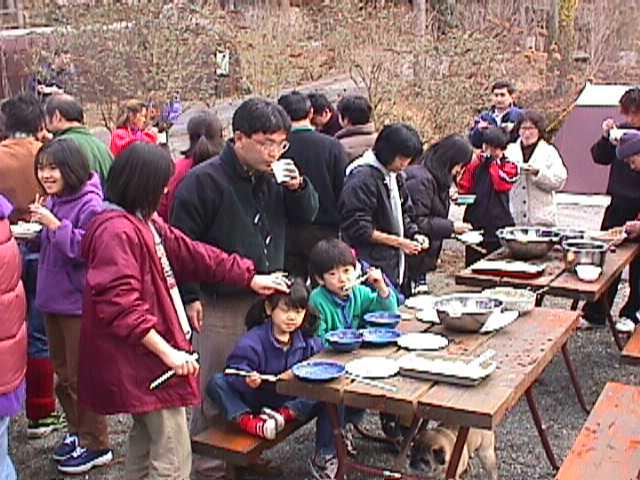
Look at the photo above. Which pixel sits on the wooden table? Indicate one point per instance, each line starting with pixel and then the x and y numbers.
pixel 560 283
pixel 524 349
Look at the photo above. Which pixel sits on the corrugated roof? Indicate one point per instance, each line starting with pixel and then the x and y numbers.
pixel 601 95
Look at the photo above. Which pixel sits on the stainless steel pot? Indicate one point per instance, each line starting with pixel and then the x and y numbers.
pixel 466 312
pixel 584 252
pixel 526 243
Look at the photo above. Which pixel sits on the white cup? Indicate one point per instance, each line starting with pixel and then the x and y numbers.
pixel 282 168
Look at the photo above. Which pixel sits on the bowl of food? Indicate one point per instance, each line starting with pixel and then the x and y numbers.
pixel 584 252
pixel 588 273
pixel 526 243
pixel 523 301
pixel 466 312
pixel 345 340
pixel 382 319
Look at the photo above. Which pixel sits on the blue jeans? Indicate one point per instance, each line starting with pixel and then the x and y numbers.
pixel 233 405
pixel 7 471
pixel 37 345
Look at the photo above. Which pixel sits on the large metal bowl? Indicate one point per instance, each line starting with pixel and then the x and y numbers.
pixel 584 252
pixel 567 233
pixel 466 312
pixel 526 243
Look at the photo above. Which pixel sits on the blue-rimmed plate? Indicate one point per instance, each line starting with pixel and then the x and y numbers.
pixel 382 319
pixel 345 340
pixel 318 370
pixel 380 336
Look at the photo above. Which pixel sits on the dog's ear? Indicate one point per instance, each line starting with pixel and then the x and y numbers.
pixel 439 455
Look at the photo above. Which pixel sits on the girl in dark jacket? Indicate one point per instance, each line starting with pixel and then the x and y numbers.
pixel 281 334
pixel 490 176
pixel 428 182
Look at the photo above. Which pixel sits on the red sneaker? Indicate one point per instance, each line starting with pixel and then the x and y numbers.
pixel 258 425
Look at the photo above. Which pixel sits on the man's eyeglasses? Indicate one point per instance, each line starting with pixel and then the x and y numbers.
pixel 271 146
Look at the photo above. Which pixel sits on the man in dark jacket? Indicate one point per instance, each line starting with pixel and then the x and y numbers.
pixel 503 113
pixel 325 117
pixel 377 215
pixel 233 202
pixel 358 132
pixel 323 160
pixel 624 189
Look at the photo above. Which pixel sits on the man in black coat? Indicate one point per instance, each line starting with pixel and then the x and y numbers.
pixel 624 189
pixel 377 215
pixel 234 203
pixel 323 161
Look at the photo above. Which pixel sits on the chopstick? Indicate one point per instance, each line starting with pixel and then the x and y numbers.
pixel 244 373
pixel 357 281
pixel 168 375
pixel 372 383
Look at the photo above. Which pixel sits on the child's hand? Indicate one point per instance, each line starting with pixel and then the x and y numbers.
pixel 253 380
pixel 288 375
pixel 376 278
pixel 43 215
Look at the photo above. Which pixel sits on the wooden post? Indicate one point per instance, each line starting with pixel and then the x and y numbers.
pixel 420 14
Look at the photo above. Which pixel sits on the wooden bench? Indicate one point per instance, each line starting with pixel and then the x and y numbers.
pixel 608 446
pixel 631 351
pixel 225 440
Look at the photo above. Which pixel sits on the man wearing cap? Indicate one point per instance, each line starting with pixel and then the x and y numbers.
pixel 624 189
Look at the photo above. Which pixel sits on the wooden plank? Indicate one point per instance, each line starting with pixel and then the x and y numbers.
pixel 608 446
pixel 554 262
pixel 225 440
pixel 631 351
pixel 568 285
pixel 524 349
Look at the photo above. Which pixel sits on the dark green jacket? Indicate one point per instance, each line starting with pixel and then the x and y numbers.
pixel 100 158
pixel 221 204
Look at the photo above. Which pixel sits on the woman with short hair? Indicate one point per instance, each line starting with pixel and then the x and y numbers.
pixel 532 198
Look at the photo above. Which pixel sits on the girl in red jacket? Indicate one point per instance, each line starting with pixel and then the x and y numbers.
pixel 491 176
pixel 131 127
pixel 13 337
pixel 134 325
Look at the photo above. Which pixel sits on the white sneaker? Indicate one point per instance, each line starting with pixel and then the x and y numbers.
pixel 279 419
pixel 625 325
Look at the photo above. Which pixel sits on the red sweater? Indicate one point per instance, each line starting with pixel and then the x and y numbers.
pixel 126 295
pixel 503 172
pixel 121 138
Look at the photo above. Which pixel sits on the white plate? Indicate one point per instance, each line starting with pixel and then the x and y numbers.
pixel 372 367
pixel 499 320
pixel 429 316
pixel 26 229
pixel 423 341
pixel 420 302
pixel 511 266
pixel 472 237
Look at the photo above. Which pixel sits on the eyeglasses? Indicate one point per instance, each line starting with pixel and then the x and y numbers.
pixel 271 146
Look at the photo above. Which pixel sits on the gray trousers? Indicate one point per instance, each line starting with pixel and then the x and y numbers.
pixel 222 328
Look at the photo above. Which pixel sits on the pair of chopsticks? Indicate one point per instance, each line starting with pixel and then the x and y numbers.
pixel 168 375
pixel 372 383
pixel 244 373
pixel 356 282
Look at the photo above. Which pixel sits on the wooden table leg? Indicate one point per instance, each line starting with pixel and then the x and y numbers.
pixel 574 379
pixel 574 304
pixel 341 448
pixel 454 461
pixel 401 460
pixel 540 428
pixel 612 324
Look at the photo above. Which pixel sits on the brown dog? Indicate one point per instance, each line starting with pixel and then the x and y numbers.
pixel 432 450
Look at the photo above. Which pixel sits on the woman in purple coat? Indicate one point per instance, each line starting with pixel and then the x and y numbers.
pixel 74 198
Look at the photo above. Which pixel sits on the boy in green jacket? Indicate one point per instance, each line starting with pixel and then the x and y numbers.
pixel 338 302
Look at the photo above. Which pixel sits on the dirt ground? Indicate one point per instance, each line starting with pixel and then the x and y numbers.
pixel 519 450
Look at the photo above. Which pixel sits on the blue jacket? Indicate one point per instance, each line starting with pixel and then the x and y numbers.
pixel 513 115
pixel 259 351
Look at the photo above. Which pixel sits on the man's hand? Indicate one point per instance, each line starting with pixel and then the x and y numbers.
pixel 269 284
pixel 183 363
pixel 294 179
pixel 461 227
pixel 607 125
pixel 632 229
pixel 409 246
pixel 195 314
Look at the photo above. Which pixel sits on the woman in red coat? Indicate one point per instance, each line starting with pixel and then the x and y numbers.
pixel 131 127
pixel 134 325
